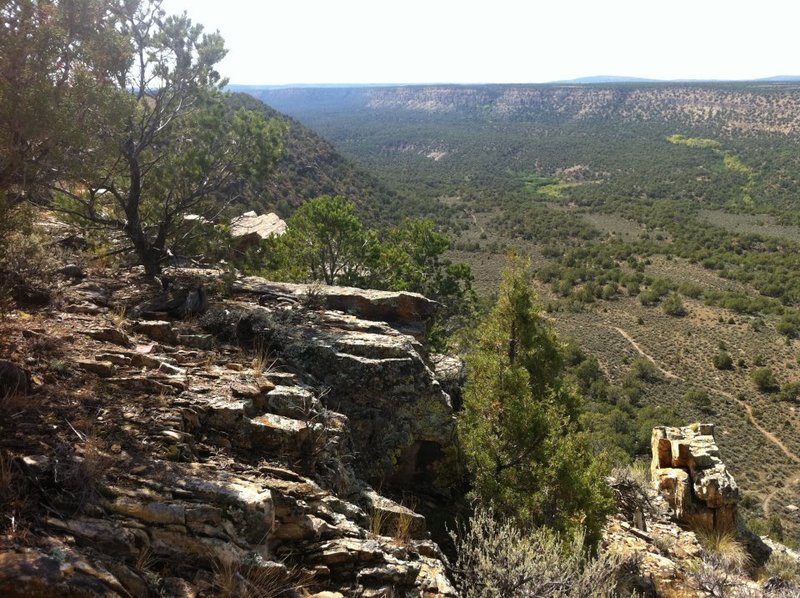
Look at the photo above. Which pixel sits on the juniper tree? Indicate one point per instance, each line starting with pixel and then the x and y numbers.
pixel 527 456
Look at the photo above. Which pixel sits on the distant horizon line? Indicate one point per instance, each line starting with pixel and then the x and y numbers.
pixel 590 80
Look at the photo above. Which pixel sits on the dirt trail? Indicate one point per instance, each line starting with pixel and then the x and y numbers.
pixel 641 352
pixel 743 404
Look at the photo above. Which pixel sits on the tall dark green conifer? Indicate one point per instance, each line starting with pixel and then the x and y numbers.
pixel 519 427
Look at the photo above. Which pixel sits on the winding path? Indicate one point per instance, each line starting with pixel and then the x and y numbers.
pixel 743 404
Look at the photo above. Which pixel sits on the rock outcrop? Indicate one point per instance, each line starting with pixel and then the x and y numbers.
pixel 250 228
pixel 687 469
pixel 227 455
pixel 410 313
pixel 380 379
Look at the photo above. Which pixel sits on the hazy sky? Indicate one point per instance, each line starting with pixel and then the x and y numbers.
pixel 503 41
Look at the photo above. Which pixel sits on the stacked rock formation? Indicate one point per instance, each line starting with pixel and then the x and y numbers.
pixel 687 470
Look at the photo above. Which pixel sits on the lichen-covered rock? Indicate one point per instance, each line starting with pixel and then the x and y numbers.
pixel 380 379
pixel 205 471
pixel 686 467
pixel 409 312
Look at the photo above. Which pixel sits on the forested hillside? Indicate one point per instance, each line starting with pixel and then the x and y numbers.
pixel 662 221
pixel 309 167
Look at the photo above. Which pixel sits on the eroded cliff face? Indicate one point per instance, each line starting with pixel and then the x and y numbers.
pixel 231 453
pixel 771 109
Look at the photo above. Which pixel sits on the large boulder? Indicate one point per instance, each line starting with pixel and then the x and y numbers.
pixel 687 469
pixel 250 228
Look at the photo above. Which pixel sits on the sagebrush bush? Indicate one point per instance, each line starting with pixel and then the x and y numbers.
pixel 764 379
pixel 723 361
pixel 495 558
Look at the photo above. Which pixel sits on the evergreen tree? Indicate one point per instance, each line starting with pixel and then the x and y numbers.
pixel 528 458
pixel 170 147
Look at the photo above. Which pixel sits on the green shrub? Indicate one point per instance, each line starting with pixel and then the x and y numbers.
pixel 790 391
pixel 673 306
pixel 648 298
pixel 495 558
pixel 643 369
pixel 698 398
pixel 723 361
pixel 764 379
pixel 690 289
pixel 789 324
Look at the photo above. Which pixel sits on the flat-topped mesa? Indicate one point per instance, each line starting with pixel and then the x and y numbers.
pixel 687 470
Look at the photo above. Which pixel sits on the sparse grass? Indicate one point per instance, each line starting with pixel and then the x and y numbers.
pixel 665 543
pixel 263 360
pixel 396 525
pixel 783 566
pixel 760 224
pixel 402 528
pixel 377 520
pixel 727 551
pixel 314 297
pixel 261 580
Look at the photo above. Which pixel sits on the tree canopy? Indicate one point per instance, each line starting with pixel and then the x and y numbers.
pixel 527 455
pixel 56 61
pixel 115 110
pixel 326 240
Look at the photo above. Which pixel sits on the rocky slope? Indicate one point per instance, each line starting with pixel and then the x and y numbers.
pixel 237 452
pixel 227 454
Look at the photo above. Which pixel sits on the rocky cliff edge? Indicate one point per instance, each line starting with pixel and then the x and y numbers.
pixel 230 453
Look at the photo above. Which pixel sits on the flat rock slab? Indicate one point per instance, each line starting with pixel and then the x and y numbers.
pixel 109 335
pixel 158 330
pixel 382 306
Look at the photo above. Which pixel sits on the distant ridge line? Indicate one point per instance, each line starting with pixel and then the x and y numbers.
pixel 592 80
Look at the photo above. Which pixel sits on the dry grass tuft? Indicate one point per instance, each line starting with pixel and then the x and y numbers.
pixel 395 525
pixel 402 528
pixel 145 559
pixel 728 552
pixel 118 316
pixel 88 467
pixel 263 361
pixel 236 580
pixel 377 521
